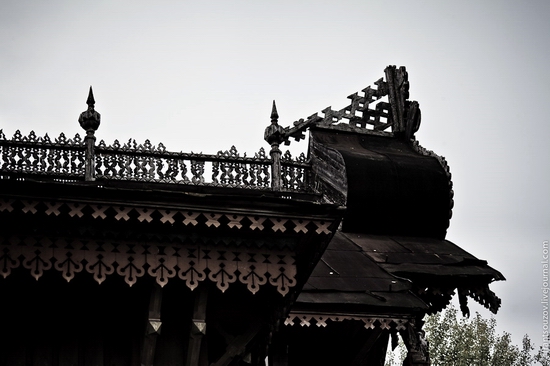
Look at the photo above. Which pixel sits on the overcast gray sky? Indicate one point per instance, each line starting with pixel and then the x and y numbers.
pixel 201 76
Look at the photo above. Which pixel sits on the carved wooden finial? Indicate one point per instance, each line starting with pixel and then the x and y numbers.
pixel 274 114
pixel 90 101
pixel 274 133
pixel 90 119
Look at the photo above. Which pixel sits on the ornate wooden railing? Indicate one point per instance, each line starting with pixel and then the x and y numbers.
pixel 62 157
pixel 81 159
pixel 66 159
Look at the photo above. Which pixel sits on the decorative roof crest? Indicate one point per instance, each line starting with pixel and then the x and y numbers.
pixel 366 114
pixel 90 119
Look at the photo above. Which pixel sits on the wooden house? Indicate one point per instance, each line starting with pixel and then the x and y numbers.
pixel 128 254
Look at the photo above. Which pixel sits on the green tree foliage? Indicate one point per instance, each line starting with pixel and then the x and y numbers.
pixel 458 341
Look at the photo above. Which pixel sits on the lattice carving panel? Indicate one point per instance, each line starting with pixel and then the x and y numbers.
pixel 40 155
pixel 253 267
pixel 145 162
pixel 382 110
pixel 187 218
pixel 320 320
pixel 367 112
pixel 294 171
pixel 359 112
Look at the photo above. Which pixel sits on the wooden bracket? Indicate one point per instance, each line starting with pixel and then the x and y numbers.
pixel 153 326
pixel 198 328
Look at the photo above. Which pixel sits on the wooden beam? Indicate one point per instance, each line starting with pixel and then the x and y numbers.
pixel 153 326
pixel 198 327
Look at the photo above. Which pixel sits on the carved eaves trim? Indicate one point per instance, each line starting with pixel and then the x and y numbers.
pixel 320 319
pixel 189 218
pixel 191 263
pixel 438 298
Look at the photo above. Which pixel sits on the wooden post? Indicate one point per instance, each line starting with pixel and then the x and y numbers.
pixel 398 93
pixel 89 120
pixel 275 167
pixel 153 326
pixel 274 135
pixel 198 327
pixel 90 158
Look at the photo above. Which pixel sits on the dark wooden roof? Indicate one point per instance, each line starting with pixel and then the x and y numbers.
pixel 346 279
pixel 391 187
pixel 424 258
pixel 395 274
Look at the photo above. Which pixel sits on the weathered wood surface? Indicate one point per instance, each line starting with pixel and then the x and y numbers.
pixel 153 326
pixel 196 351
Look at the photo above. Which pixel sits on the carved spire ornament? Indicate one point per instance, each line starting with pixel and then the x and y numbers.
pixel 274 114
pixel 89 120
pixel 274 135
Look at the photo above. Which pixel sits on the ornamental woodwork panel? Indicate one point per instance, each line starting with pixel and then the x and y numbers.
pixel 320 320
pixel 145 215
pixel 66 158
pixel 254 267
